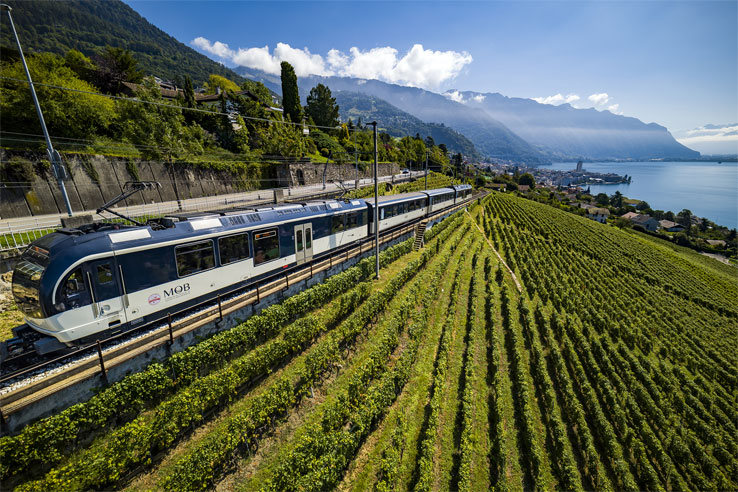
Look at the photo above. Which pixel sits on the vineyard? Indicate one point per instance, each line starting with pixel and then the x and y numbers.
pixel 521 348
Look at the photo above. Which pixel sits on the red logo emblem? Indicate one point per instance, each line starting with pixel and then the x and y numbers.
pixel 154 299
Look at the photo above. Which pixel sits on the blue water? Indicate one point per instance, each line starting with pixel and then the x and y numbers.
pixel 708 189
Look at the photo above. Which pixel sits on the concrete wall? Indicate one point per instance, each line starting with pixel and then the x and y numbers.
pixel 308 173
pixel 95 179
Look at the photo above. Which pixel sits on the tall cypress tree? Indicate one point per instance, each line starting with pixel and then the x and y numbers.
pixel 290 95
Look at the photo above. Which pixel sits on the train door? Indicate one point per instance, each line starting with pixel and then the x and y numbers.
pixel 303 243
pixel 107 302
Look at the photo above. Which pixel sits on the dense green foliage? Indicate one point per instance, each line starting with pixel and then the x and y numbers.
pixel 321 107
pixel 88 26
pixel 290 94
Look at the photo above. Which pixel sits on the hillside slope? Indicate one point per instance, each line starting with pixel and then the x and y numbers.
pixel 398 123
pixel 489 136
pixel 90 25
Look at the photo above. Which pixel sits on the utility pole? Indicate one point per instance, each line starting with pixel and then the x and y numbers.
pixel 56 163
pixel 376 201
pixel 426 170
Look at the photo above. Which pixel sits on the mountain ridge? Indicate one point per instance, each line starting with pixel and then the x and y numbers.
pixel 89 25
pixel 565 132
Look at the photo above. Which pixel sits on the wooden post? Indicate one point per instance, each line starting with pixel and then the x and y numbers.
pixel 171 332
pixel 102 362
pixel 220 310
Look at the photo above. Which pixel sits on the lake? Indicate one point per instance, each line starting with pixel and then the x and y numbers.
pixel 708 189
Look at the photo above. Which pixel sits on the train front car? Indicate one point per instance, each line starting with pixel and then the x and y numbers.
pixel 43 298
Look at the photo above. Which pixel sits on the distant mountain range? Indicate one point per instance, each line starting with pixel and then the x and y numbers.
pixel 490 124
pixel 398 123
pixel 564 132
pixel 489 136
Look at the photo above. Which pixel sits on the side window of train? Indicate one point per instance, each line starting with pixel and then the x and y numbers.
pixel 104 274
pixel 233 248
pixel 337 224
pixel 73 291
pixel 364 217
pixel 195 257
pixel 381 213
pixel 266 245
pixel 352 220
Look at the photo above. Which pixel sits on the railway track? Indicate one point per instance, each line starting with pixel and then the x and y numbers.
pixel 25 386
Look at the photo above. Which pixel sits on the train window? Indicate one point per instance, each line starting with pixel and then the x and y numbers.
pixel 266 246
pixel 308 239
pixel 104 274
pixel 337 224
pixel 352 220
pixel 74 292
pixel 233 248
pixel 381 213
pixel 195 257
pixel 299 241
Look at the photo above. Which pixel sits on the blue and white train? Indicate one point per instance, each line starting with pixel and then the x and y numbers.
pixel 77 285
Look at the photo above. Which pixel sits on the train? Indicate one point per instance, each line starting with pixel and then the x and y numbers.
pixel 75 286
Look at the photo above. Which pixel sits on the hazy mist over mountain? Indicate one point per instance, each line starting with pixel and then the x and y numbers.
pixel 515 129
pixel 565 132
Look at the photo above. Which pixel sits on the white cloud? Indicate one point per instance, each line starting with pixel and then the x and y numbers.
pixel 557 99
pixel 418 67
pixel 599 99
pixel 711 139
pixel 479 98
pixel 614 108
pixel 217 48
pixel 454 96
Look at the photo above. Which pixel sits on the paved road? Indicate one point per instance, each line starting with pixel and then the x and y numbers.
pixel 27 225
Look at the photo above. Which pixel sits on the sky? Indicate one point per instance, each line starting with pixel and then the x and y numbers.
pixel 670 62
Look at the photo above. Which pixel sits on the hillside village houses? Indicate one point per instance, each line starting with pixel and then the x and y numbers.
pixel 670 226
pixel 598 214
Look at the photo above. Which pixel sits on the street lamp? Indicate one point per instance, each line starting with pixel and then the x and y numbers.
pixel 56 163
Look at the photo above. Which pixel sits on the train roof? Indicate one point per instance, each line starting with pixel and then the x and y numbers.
pixel 439 191
pixel 462 187
pixel 404 197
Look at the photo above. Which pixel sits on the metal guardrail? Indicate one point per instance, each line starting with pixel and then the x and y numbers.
pixel 17 234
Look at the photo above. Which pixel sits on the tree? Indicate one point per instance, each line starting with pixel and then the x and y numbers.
pixel 685 218
pixel 189 93
pixel 669 215
pixel 616 200
pixel 290 94
pixel 67 113
pixel 322 107
pixel 429 142
pixel 159 131
pixel 443 148
pixel 642 205
pixel 527 179
pixel 80 64
pixel 115 66
pixel 602 199
pixel 216 82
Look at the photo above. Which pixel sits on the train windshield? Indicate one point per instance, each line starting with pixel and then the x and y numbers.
pixel 26 283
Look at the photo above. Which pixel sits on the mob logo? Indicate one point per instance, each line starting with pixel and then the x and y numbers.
pixel 154 299
pixel 179 290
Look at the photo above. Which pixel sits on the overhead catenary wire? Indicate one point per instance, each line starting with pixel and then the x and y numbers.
pixel 172 106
